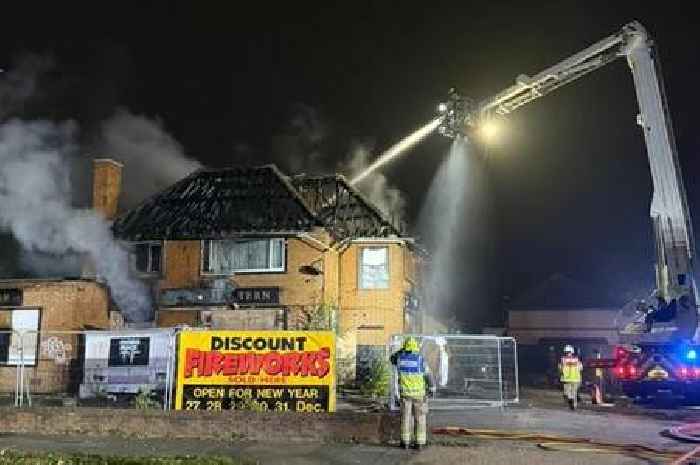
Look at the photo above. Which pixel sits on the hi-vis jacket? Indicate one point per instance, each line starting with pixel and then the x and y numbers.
pixel 414 376
pixel 570 367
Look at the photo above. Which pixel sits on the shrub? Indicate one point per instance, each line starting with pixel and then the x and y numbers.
pixel 376 382
pixel 321 318
pixel 145 399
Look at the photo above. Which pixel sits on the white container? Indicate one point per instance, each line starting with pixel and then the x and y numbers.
pixel 124 361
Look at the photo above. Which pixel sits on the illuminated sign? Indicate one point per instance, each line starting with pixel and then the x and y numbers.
pixel 257 370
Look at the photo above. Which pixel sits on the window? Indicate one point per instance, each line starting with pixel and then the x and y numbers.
pixel 374 268
pixel 147 257
pixel 5 342
pixel 10 297
pixel 18 321
pixel 243 255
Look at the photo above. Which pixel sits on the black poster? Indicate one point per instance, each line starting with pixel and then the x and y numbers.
pixel 128 351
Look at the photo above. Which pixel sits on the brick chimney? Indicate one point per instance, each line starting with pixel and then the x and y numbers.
pixel 106 186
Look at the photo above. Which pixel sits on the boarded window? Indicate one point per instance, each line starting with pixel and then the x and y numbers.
pixel 374 268
pixel 244 255
pixel 148 257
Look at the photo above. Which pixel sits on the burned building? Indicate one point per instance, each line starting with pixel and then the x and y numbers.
pixel 57 308
pixel 251 248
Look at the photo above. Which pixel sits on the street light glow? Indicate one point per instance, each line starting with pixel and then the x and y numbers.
pixel 489 130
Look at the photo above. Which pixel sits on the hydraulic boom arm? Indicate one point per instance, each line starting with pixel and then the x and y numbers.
pixel 675 282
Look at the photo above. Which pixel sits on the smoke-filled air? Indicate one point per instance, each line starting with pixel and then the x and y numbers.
pixel 306 145
pixel 397 149
pixel 152 158
pixel 35 205
pixel 374 185
pixel 45 169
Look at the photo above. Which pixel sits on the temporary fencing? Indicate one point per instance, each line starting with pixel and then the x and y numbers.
pixel 128 369
pixel 468 370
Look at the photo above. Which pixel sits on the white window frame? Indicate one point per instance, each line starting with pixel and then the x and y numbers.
pixel 271 240
pixel 149 267
pixel 30 339
pixel 360 267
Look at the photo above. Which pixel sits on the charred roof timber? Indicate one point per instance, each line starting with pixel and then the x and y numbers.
pixel 342 208
pixel 249 201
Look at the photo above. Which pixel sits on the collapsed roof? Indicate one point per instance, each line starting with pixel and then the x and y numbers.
pixel 249 201
pixel 342 209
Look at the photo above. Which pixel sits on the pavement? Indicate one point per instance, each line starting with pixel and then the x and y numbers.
pixel 541 412
pixel 472 452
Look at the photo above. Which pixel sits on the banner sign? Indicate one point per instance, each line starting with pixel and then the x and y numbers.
pixel 259 370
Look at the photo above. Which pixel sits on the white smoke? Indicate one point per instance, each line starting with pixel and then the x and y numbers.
pixel 35 205
pixel 45 265
pixel 375 185
pixel 152 158
pixel 307 145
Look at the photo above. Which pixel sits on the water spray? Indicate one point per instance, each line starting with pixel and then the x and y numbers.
pixel 403 145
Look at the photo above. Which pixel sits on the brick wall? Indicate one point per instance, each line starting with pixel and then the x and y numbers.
pixel 267 319
pixel 372 315
pixel 169 318
pixel 69 305
pixel 183 269
pixel 331 277
pixel 380 311
pixel 106 186
pixel 273 427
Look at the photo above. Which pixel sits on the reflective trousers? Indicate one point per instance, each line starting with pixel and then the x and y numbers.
pixel 571 392
pixel 413 418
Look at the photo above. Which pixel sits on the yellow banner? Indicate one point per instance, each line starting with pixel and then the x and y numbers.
pixel 257 370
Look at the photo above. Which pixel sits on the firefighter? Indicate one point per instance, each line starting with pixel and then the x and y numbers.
pixel 570 368
pixel 414 382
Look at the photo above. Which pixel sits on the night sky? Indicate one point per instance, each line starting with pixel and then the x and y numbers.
pixel 570 181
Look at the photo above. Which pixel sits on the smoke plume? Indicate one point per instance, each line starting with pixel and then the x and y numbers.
pixel 152 158
pixel 375 185
pixel 35 205
pixel 308 145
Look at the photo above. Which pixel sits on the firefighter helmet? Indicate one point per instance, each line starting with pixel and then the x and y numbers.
pixel 410 344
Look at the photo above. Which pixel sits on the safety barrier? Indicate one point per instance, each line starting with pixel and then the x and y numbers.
pixel 135 368
pixel 468 370
pixel 10 367
pixel 117 369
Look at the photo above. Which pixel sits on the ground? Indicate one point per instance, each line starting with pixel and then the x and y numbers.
pixel 540 411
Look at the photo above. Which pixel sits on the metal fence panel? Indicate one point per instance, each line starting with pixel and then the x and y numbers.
pixel 468 370
pixel 97 368
pixel 10 367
